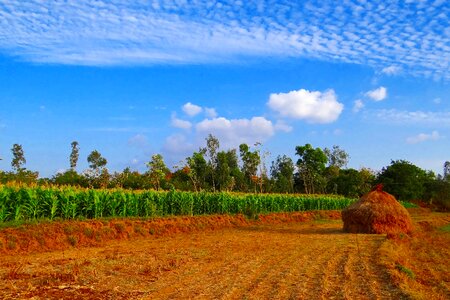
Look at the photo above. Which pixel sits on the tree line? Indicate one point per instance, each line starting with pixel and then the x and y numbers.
pixel 316 171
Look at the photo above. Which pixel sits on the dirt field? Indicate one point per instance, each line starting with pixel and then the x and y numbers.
pixel 308 260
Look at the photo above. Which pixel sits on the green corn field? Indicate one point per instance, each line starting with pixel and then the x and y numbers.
pixel 31 203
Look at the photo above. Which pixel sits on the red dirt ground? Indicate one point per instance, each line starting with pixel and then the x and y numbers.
pixel 219 257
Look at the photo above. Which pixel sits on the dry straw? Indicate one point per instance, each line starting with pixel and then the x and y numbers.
pixel 377 212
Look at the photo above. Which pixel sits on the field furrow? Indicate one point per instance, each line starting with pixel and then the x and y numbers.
pixel 311 260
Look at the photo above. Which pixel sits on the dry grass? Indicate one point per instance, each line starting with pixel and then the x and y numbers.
pixel 277 258
pixel 420 264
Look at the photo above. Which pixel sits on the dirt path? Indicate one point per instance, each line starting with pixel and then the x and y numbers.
pixel 312 260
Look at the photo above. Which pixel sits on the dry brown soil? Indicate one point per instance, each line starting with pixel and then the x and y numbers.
pixel 296 260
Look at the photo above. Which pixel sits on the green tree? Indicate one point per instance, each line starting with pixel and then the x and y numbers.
pixel 447 170
pixel 157 170
pixel 74 154
pixel 250 163
pixel 212 146
pixel 282 171
pixel 404 180
pixel 336 157
pixel 351 182
pixel 18 158
pixel 96 161
pixel 311 164
pixel 196 169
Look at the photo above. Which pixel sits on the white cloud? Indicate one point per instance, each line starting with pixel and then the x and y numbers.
pixel 178 123
pixel 177 144
pixel 139 141
pixel 358 105
pixel 423 137
pixel 210 112
pixel 413 117
pixel 312 106
pixel 96 33
pixel 233 132
pixel 282 126
pixel 391 70
pixel 378 94
pixel 191 109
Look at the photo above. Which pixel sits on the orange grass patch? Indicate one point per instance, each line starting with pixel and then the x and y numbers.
pixel 68 234
pixel 420 264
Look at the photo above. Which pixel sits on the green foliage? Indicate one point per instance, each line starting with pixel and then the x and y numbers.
pixel 350 182
pixel 311 164
pixel 406 271
pixel 336 157
pixel 96 161
pixel 74 155
pixel 18 158
pixel 32 203
pixel 250 163
pixel 282 171
pixel 407 204
pixel 404 180
pixel 157 170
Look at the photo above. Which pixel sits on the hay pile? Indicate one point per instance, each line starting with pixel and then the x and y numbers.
pixel 377 212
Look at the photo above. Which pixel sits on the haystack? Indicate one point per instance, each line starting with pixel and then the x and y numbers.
pixel 377 212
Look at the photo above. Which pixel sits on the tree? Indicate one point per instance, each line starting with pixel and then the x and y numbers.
pixel 282 171
pixel 447 170
pixel 74 155
pixel 96 161
pixel 196 169
pixel 250 163
pixel 227 169
pixel 351 182
pixel 336 157
pixel 18 158
pixel 157 170
pixel 311 165
pixel 212 146
pixel 404 180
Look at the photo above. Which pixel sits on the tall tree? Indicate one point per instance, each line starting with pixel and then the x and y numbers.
pixel 282 171
pixel 212 146
pixel 74 155
pixel 157 170
pixel 311 165
pixel 18 158
pixel 447 170
pixel 196 169
pixel 96 161
pixel 250 163
pixel 337 157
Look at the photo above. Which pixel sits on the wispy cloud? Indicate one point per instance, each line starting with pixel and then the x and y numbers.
pixel 191 109
pixel 378 94
pixel 179 123
pixel 413 117
pixel 391 70
pixel 423 137
pixel 358 105
pixel 122 33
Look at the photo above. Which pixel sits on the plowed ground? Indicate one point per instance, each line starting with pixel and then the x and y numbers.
pixel 310 260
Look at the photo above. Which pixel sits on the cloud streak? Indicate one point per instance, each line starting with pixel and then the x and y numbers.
pixel 103 33
pixel 423 137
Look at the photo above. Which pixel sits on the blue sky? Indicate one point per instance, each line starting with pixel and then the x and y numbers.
pixel 131 80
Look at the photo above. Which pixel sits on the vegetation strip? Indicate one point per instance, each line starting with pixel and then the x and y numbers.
pixel 33 203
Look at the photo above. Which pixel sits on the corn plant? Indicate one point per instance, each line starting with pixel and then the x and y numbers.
pixel 26 203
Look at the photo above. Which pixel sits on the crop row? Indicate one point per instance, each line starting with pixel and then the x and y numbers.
pixel 28 203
